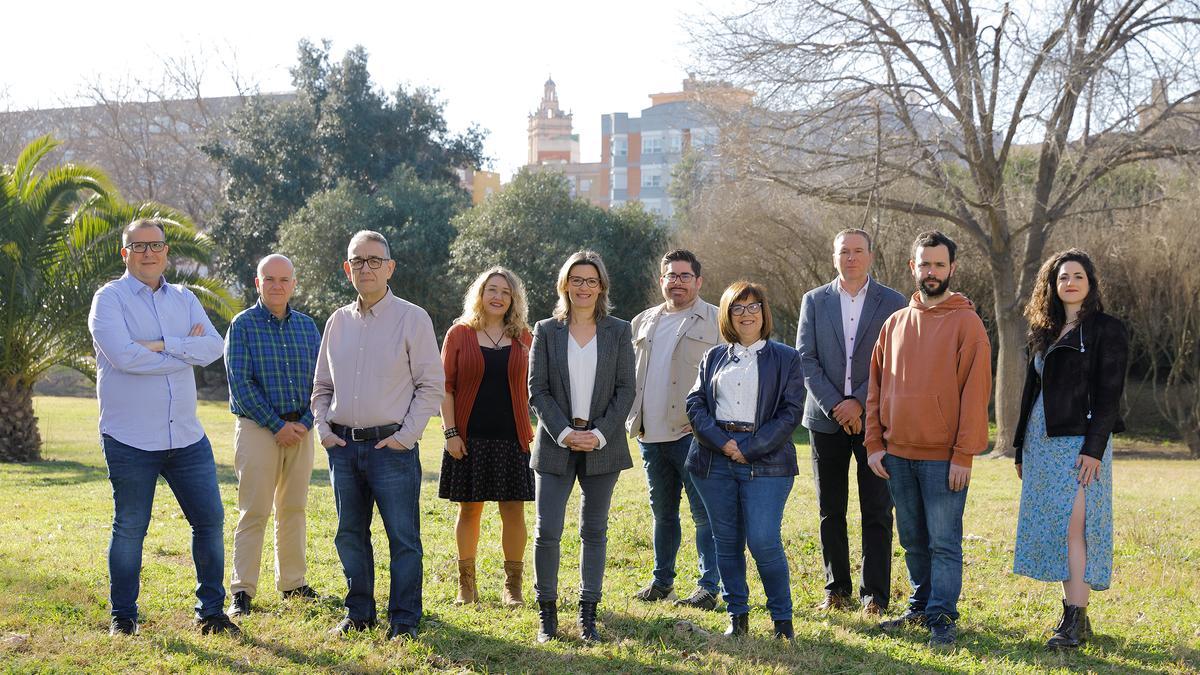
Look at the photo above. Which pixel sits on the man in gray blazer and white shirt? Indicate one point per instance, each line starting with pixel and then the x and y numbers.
pixel 669 340
pixel 839 325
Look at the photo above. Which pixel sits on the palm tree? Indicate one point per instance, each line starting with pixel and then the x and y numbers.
pixel 60 237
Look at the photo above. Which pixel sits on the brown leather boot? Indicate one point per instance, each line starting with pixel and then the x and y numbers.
pixel 511 595
pixel 467 592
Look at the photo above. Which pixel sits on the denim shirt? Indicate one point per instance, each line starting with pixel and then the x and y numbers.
pixel 769 448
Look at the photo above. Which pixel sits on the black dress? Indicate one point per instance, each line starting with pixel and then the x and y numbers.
pixel 495 468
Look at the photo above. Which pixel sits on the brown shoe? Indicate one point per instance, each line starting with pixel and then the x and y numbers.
pixel 511 595
pixel 467 592
pixel 872 608
pixel 833 601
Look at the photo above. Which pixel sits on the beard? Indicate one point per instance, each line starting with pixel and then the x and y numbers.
pixel 933 288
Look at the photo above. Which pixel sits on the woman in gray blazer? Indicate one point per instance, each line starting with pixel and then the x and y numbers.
pixel 581 385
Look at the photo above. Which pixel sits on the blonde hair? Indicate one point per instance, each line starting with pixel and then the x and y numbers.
pixel 562 309
pixel 516 318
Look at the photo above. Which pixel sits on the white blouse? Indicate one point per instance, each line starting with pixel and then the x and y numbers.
pixel 735 385
pixel 581 371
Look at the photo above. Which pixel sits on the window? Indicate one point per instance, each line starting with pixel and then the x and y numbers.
pixel 620 146
pixel 651 179
pixel 675 142
pixel 620 179
pixel 585 185
pixel 651 145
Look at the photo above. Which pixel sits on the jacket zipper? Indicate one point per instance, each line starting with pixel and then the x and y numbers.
pixel 1082 350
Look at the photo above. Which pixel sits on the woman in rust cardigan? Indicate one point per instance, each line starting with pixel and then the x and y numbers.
pixel 486 422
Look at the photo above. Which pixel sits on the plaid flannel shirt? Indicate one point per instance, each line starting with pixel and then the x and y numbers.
pixel 270 365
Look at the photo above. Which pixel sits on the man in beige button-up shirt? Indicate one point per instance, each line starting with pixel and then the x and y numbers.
pixel 379 379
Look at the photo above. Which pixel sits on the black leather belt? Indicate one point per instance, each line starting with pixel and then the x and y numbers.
pixel 291 416
pixel 365 433
pixel 745 427
pixel 581 424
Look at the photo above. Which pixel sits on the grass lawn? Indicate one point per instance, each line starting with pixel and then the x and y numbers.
pixel 56 517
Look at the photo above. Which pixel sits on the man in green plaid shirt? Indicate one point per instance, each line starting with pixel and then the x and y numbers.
pixel 270 356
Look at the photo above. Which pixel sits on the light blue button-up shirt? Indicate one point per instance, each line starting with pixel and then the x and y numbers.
pixel 147 398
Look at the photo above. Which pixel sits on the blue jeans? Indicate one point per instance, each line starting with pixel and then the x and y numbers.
pixel 362 479
pixel 747 511
pixel 929 522
pixel 191 474
pixel 668 479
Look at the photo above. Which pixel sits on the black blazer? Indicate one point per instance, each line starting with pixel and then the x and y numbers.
pixel 1081 385
pixel 612 395
pixel 770 450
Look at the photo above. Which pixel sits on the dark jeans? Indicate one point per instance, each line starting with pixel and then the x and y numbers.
pixel 668 479
pixel 552 492
pixel 831 464
pixel 362 479
pixel 929 522
pixel 191 474
pixel 747 511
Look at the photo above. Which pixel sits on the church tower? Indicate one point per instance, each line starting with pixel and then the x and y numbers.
pixel 550 137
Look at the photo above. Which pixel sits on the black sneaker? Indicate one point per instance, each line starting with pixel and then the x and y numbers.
pixel 240 605
pixel 217 624
pixel 348 625
pixel 700 599
pixel 123 626
pixel 654 593
pixel 910 617
pixel 402 631
pixel 942 634
pixel 305 592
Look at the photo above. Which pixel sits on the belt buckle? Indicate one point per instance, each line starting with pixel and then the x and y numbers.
pixel 354 435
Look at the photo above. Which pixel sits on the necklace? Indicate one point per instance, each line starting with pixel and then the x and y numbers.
pixel 495 343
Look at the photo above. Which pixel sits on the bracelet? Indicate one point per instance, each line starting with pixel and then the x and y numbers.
pixel 450 433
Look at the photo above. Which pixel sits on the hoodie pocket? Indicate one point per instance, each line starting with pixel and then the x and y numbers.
pixel 918 421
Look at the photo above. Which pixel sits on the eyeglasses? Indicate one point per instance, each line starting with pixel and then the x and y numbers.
pixel 372 262
pixel 590 282
pixel 141 246
pixel 671 277
pixel 752 308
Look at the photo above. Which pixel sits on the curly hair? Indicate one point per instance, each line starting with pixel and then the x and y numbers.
pixel 1045 311
pixel 516 319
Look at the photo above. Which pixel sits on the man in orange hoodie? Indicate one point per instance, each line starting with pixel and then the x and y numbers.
pixel 927 417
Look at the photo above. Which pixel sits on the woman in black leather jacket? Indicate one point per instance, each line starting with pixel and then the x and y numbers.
pixel 1069 410
pixel 746 404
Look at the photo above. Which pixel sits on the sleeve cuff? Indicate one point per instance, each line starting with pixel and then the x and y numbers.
pixel 962 459
pixel 600 437
pixel 563 436
pixel 173 346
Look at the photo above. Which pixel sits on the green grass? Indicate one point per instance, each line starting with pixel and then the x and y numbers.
pixel 53 585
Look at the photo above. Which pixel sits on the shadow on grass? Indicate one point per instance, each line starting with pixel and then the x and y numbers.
pixel 54 473
pixel 1101 654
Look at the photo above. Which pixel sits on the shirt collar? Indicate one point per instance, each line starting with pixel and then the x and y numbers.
pixel 755 348
pixel 135 285
pixel 268 315
pixel 385 301
pixel 861 292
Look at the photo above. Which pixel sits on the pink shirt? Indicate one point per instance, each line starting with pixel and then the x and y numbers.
pixel 379 367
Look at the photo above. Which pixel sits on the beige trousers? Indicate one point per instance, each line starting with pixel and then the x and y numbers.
pixel 269 476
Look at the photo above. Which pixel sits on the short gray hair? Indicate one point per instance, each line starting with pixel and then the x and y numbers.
pixel 274 256
pixel 369 235
pixel 142 224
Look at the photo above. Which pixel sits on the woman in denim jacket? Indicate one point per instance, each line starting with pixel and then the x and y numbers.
pixel 748 400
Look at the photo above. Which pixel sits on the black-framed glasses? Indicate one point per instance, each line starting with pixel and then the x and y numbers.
pixel 671 277
pixel 141 246
pixel 590 282
pixel 752 308
pixel 372 262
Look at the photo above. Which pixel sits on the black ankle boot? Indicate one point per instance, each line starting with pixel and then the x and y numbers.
pixel 783 630
pixel 587 622
pixel 739 624
pixel 1071 630
pixel 547 621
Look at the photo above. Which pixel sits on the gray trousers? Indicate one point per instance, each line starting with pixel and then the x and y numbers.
pixel 553 491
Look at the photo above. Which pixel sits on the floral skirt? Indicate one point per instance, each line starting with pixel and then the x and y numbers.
pixel 1047 497
pixel 491 471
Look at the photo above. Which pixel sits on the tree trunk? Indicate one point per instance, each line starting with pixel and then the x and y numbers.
pixel 1010 362
pixel 1191 436
pixel 19 437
